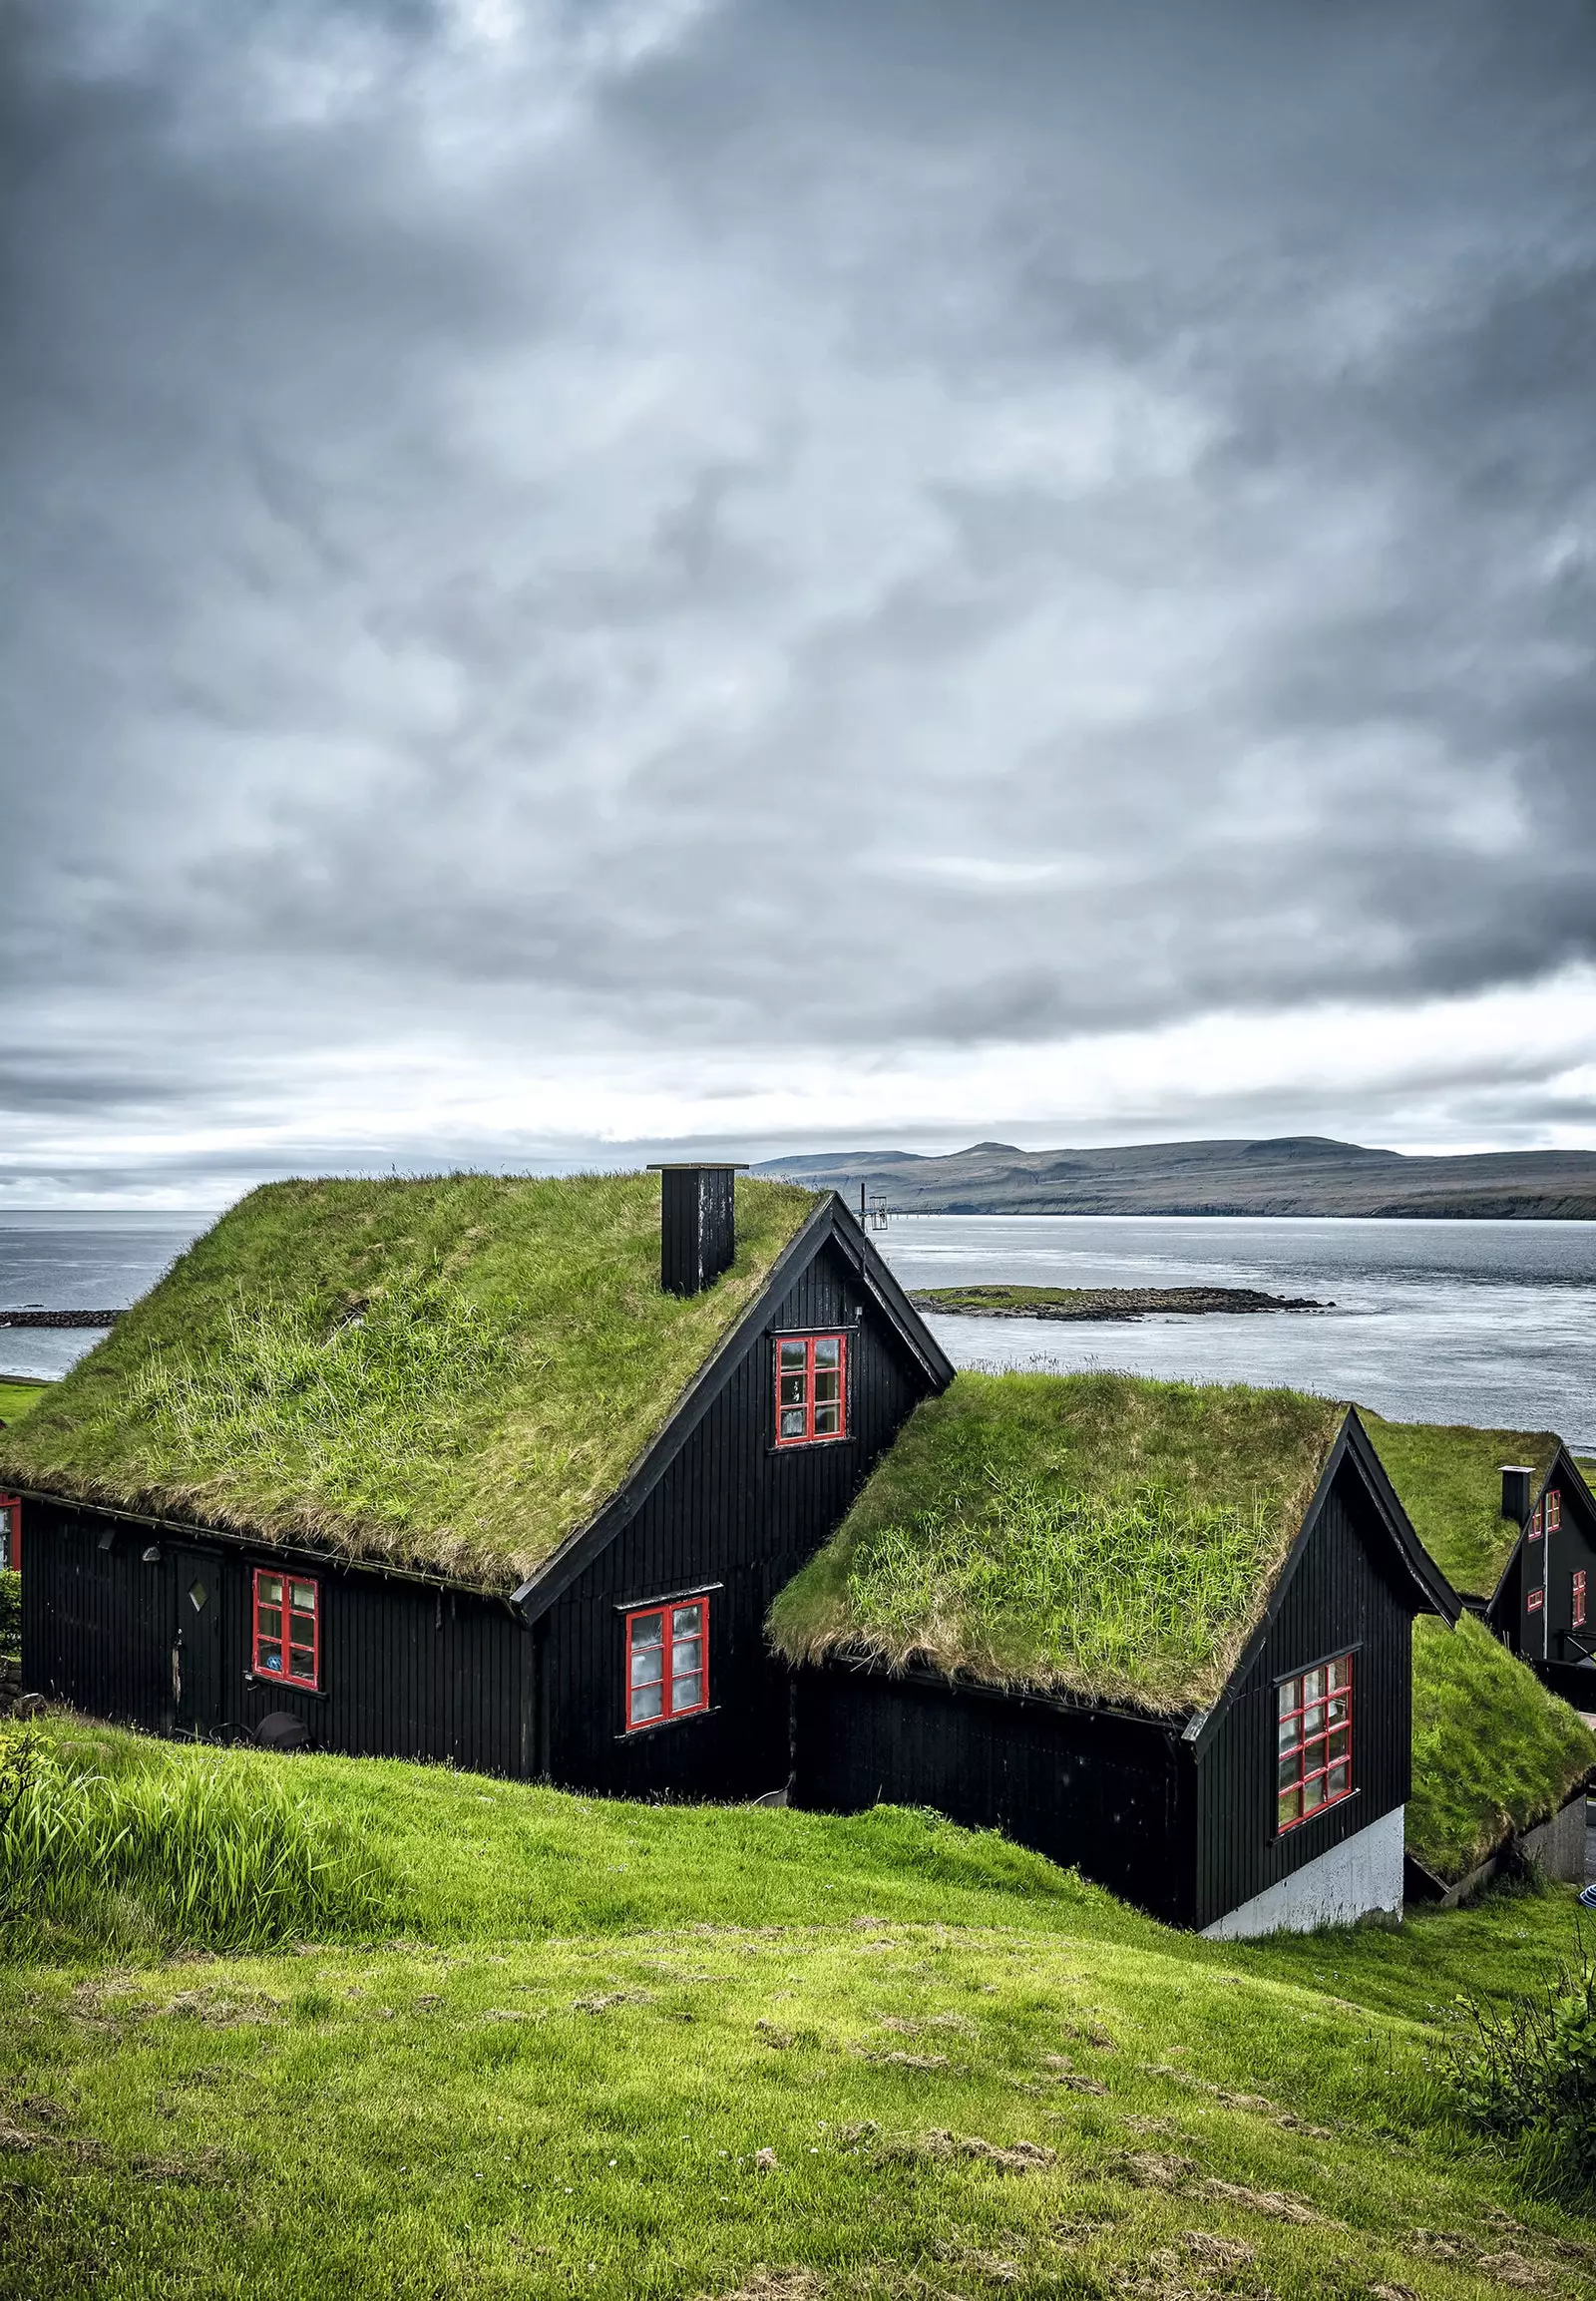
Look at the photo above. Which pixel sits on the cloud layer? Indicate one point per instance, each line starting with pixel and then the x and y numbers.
pixel 583 571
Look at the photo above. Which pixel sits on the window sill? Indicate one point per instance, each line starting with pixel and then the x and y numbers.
pixel 284 1685
pixel 664 1724
pixel 809 1445
pixel 1336 1805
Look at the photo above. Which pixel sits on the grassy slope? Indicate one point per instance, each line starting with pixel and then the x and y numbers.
pixel 516 1356
pixel 1095 1531
pixel 1492 1750
pixel 1449 1481
pixel 557 2080
pixel 19 1398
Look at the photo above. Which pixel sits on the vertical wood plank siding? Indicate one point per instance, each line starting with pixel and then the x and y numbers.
pixel 407 1672
pixel 1570 1549
pixel 734 1511
pixel 1111 1795
pixel 1127 1801
pixel 1344 1593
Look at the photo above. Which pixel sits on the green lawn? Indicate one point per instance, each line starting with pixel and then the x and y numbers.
pixel 17 1397
pixel 583 2023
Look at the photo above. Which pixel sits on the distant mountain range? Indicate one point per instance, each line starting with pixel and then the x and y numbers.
pixel 1286 1175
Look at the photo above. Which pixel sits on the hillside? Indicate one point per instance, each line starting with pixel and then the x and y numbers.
pixel 1288 1175
pixel 629 2051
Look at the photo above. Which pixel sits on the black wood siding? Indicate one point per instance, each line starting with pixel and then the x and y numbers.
pixel 407 1672
pixel 1343 1593
pixel 736 1511
pixel 1111 1795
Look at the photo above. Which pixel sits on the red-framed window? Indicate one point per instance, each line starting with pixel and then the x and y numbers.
pixel 1536 1599
pixel 667 1661
pixel 11 1533
pixel 1314 1745
pixel 811 1389
pixel 287 1624
pixel 1579 1599
pixel 1535 1523
pixel 1554 1511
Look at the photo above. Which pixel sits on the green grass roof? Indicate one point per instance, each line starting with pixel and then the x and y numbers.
pixel 1094 1533
pixel 450 1374
pixel 1493 1752
pixel 1450 1483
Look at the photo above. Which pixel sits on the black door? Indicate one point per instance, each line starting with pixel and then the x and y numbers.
pixel 197 1645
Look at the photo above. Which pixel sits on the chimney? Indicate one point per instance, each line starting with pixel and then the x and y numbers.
pixel 697 1224
pixel 1518 1482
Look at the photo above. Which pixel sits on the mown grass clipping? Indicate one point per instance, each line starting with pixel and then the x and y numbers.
pixel 1096 1532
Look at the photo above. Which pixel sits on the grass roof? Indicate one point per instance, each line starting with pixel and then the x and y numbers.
pixel 450 1374
pixel 1493 1752
pixel 1100 1534
pixel 1451 1484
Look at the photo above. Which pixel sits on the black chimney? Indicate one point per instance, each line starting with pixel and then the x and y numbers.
pixel 1517 1485
pixel 697 1225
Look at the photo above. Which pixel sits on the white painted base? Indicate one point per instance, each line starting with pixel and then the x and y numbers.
pixel 1352 1880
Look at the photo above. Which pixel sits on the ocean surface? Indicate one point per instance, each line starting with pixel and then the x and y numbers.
pixel 1492 1324
pixel 1486 1323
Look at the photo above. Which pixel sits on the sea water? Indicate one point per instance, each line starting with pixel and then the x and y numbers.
pixel 1459 1321
pixel 1492 1324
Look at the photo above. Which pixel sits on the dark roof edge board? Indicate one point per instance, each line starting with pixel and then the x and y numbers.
pixel 197 1530
pixel 1570 1469
pixel 1062 1698
pixel 830 1220
pixel 1437 1594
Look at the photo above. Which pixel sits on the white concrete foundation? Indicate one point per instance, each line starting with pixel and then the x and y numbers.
pixel 1352 1880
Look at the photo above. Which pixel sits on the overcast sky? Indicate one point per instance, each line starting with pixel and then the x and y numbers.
pixel 584 573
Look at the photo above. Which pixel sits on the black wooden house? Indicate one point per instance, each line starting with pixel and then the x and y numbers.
pixel 1510 1519
pixel 558 1564
pixel 1016 1626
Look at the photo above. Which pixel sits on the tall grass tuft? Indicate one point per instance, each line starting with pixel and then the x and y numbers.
pixel 1136 1586
pixel 1525 2074
pixel 208 1853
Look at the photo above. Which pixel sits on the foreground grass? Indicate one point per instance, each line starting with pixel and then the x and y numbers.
pixel 972 2075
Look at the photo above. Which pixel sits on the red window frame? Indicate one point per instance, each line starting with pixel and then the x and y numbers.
pixel 672 1686
pixel 1312 1741
pixel 1577 1594
pixel 1554 1510
pixel 1535 1523
pixel 1536 1599
pixel 811 1391
pixel 12 1504
pixel 273 1619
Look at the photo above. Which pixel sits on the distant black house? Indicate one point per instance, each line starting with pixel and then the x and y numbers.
pixel 1510 1519
pixel 1240 1784
pixel 1544 1603
pixel 563 1569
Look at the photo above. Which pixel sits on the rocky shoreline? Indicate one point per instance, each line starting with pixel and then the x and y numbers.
pixel 1102 1302
pixel 59 1317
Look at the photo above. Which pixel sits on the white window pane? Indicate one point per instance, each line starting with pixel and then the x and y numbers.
pixel 828 1352
pixel 684 1694
pixel 792 1423
pixel 648 1630
pixel 793 1354
pixel 647 1701
pixel 647 1665
pixel 687 1621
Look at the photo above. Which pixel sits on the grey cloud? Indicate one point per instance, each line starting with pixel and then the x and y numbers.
pixel 586 520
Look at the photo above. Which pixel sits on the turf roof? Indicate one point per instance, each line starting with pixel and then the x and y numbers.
pixel 1449 1482
pixel 1099 1534
pixel 451 1374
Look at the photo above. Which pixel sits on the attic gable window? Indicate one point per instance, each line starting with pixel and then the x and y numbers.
pixel 287 1629
pixel 1535 1523
pixel 811 1389
pixel 1314 1741
pixel 668 1663
pixel 1554 1511
pixel 1578 1595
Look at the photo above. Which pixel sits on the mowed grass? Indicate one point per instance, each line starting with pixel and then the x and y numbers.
pixel 19 1398
pixel 972 2073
